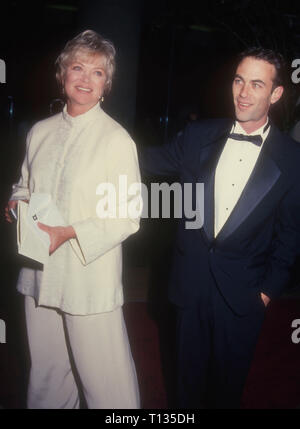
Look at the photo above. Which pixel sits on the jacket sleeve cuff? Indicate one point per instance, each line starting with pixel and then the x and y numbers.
pixel 95 237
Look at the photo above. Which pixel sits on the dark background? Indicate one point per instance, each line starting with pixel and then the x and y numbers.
pixel 173 58
pixel 172 55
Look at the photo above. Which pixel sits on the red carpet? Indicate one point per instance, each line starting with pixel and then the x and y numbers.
pixel 273 382
pixel 143 336
pixel 274 378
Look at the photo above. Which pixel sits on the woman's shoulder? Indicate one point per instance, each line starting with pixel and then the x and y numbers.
pixel 112 127
pixel 46 124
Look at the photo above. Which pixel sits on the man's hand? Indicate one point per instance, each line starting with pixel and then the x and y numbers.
pixel 265 299
pixel 58 235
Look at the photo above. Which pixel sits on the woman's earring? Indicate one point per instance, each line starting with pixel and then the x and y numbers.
pixel 101 99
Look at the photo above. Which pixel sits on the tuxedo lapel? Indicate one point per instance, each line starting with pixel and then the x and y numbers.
pixel 209 204
pixel 209 158
pixel 263 177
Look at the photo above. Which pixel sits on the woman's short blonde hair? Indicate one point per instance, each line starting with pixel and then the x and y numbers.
pixel 91 43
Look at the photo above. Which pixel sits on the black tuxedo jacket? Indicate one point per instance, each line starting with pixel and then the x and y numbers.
pixel 258 244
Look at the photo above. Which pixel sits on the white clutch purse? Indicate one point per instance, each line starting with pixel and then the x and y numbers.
pixel 32 241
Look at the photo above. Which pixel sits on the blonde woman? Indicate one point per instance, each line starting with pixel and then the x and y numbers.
pixel 76 332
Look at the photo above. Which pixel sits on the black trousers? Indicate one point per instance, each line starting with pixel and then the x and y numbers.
pixel 215 349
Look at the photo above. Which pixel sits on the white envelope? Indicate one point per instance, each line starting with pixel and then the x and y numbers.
pixel 32 241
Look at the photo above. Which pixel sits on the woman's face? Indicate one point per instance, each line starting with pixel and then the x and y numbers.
pixel 84 82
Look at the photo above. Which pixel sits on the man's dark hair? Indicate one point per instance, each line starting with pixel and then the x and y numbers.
pixel 272 57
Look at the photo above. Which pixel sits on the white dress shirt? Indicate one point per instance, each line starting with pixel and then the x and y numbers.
pixel 234 168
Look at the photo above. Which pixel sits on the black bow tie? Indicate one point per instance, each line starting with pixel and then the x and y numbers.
pixel 257 140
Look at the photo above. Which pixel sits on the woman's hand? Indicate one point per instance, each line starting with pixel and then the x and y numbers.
pixel 12 204
pixel 265 299
pixel 58 235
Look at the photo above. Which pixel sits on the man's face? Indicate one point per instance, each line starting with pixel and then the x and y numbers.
pixel 252 92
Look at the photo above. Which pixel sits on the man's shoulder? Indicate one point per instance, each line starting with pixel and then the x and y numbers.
pixel 287 152
pixel 289 146
pixel 210 124
pixel 210 128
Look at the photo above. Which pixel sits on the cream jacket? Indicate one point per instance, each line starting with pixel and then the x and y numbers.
pixel 69 158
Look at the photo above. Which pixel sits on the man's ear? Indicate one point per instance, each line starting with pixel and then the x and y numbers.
pixel 276 94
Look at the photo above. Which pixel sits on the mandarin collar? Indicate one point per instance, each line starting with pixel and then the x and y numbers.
pixel 82 119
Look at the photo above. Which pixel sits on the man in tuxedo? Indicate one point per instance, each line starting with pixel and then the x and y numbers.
pixel 225 273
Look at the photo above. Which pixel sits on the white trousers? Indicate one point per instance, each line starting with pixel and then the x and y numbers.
pixel 91 350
